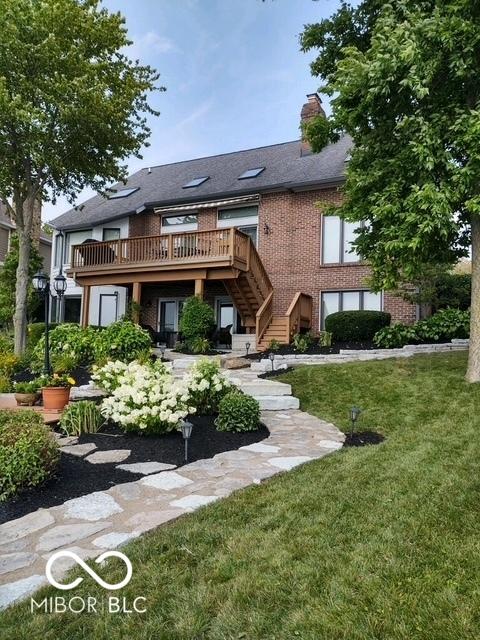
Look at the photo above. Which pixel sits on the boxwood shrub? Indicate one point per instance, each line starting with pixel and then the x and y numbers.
pixel 28 451
pixel 238 412
pixel 356 326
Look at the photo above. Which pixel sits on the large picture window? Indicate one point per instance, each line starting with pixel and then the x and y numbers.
pixel 245 219
pixel 333 301
pixel 338 236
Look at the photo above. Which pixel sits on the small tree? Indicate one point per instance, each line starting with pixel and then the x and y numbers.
pixel 72 109
pixel 197 319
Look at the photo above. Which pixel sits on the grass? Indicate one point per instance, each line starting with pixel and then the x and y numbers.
pixel 375 543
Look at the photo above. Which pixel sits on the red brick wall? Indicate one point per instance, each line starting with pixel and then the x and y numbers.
pixel 291 251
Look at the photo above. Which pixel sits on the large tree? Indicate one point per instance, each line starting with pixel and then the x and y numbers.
pixel 72 109
pixel 410 99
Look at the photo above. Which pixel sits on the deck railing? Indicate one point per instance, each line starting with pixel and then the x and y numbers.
pixel 195 246
pixel 299 314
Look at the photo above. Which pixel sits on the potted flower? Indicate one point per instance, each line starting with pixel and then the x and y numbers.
pixel 56 391
pixel 27 393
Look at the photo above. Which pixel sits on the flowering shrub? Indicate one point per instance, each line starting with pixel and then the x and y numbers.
pixel 206 386
pixel 55 380
pixel 145 397
pixel 69 340
pixel 111 375
pixel 122 340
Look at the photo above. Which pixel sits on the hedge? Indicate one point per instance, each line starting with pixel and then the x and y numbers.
pixel 356 326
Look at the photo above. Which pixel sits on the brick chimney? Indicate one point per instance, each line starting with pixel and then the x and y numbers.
pixel 311 109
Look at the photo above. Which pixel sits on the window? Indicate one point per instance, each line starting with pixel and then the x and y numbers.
pixel 338 236
pixel 333 301
pixel 71 308
pixel 243 218
pixel 72 238
pixel 174 224
pixel 250 231
pixel 122 193
pixel 110 234
pixel 251 173
pixel 239 212
pixel 196 182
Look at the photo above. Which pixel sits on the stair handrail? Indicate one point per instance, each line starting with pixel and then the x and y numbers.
pixel 300 311
pixel 257 268
pixel 264 316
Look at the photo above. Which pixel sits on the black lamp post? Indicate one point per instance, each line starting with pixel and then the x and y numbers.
pixel 186 433
pixel 247 347
pixel 271 357
pixel 41 284
pixel 354 415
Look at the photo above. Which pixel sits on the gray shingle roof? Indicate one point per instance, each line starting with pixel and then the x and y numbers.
pixel 285 168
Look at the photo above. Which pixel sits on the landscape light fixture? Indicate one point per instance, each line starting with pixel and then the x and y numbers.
pixel 354 415
pixel 247 346
pixel 186 433
pixel 162 350
pixel 271 356
pixel 41 284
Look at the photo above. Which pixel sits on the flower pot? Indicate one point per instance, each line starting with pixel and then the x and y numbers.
pixel 55 398
pixel 26 399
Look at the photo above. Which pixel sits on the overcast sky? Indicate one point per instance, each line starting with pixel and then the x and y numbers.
pixel 234 74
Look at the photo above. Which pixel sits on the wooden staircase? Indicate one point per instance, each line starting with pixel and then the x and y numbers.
pixel 252 295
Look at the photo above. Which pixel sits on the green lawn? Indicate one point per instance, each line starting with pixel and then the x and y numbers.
pixel 375 543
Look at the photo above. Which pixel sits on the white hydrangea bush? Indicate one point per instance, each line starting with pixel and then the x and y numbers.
pixel 144 397
pixel 206 385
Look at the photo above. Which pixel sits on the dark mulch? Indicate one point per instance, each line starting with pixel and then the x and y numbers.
pixel 363 438
pixel 275 373
pixel 210 352
pixel 75 477
pixel 288 349
pixel 81 375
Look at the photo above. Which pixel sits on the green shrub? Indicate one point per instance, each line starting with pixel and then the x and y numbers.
pixel 356 326
pixel 273 345
pixel 9 363
pixel 206 385
pixel 200 345
pixel 27 387
pixel 28 451
pixel 443 326
pixel 198 319
pixel 181 347
pixel 35 331
pixel 122 340
pixel 302 342
pixel 325 339
pixel 6 385
pixel 395 337
pixel 67 340
pixel 81 417
pixel 453 290
pixel 238 412
pixel 6 342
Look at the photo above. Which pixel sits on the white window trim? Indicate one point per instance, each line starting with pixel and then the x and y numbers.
pixel 321 320
pixel 341 260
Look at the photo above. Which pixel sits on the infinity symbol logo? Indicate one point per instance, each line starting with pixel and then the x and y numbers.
pixel 89 570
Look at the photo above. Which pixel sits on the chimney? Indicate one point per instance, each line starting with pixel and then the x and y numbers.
pixel 311 109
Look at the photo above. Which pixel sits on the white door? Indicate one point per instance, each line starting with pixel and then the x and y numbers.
pixel 108 309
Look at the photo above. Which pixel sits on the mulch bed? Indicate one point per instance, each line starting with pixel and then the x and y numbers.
pixel 76 477
pixel 81 375
pixel 289 349
pixel 210 352
pixel 363 438
pixel 274 374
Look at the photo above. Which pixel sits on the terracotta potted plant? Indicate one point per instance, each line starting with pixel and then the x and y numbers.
pixel 56 391
pixel 27 393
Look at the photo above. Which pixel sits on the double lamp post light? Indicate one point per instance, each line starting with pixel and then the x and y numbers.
pixel 41 284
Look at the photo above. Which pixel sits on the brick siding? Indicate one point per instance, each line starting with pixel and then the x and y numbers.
pixel 289 243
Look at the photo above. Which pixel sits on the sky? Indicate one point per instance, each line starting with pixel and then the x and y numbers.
pixel 234 75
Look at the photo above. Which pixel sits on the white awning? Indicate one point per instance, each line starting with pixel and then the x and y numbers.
pixel 208 205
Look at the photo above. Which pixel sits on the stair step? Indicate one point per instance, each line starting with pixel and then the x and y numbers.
pixel 260 388
pixel 277 403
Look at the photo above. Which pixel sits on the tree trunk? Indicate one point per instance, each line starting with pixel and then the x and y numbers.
pixel 473 370
pixel 21 293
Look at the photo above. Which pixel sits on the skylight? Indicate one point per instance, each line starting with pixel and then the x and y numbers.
pixel 122 193
pixel 251 173
pixel 196 182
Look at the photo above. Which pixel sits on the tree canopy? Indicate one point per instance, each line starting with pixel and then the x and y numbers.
pixel 73 108
pixel 409 96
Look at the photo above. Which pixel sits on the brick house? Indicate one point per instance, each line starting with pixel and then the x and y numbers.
pixel 245 230
pixel 7 227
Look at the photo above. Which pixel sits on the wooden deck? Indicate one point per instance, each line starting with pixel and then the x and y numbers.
pixel 116 261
